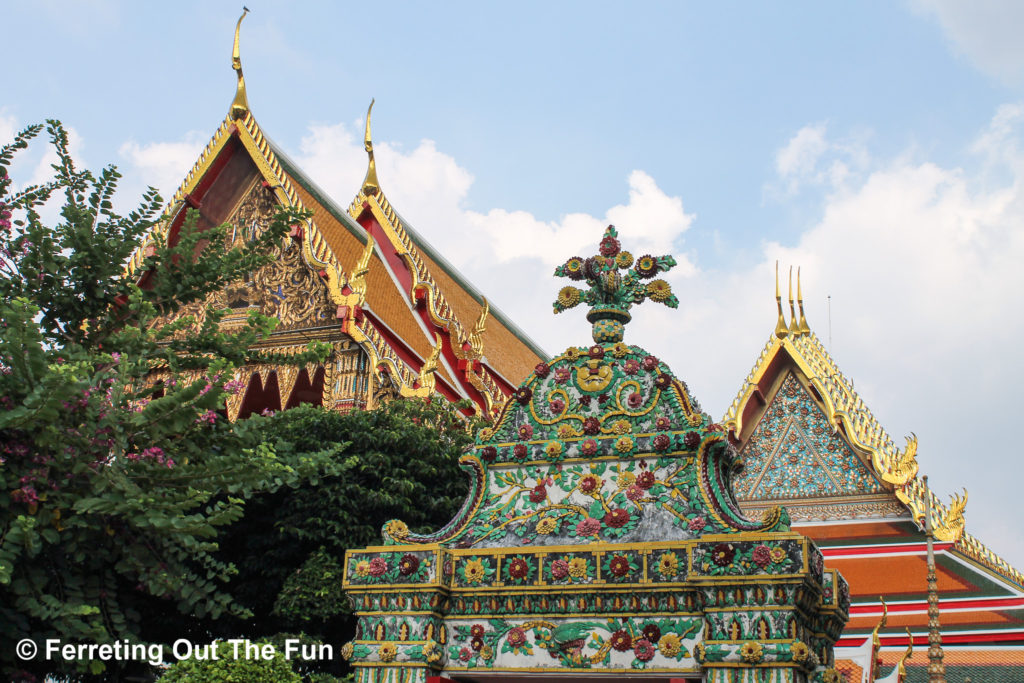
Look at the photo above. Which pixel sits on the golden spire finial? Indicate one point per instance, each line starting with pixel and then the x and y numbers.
pixel 876 642
pixel 794 329
pixel 780 327
pixel 370 185
pixel 358 280
pixel 803 327
pixel 240 105
pixel 901 667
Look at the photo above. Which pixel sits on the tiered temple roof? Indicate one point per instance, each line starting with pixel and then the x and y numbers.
pixel 366 279
pixel 810 443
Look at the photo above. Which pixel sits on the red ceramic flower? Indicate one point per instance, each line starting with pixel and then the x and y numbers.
pixel 590 483
pixel 489 453
pixel 596 351
pixel 643 650
pixel 635 493
pixel 609 246
pixel 697 523
pixel 523 395
pixel 408 565
pixel 541 370
pixel 525 431
pixel 588 527
pixel 562 375
pixel 649 363
pixel 476 631
pixel 691 440
pixel 663 423
pixel 762 556
pixel 518 568
pixel 584 400
pixel 617 518
pixel 645 480
pixel 622 641
pixel 538 493
pixel 663 381
pixel 591 425
pixel 634 400
pixel 557 405
pixel 588 447
pixel 516 637
pixel 652 633
pixel 559 569
pixel 377 566
pixel 519 451
pixel 631 367
pixel 646 266
pixel 476 643
pixel 723 554
pixel 619 565
pixel 661 442
pixel 465 654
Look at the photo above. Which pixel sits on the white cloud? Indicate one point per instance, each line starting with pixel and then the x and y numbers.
pixel 162 165
pixel 986 32
pixel 810 159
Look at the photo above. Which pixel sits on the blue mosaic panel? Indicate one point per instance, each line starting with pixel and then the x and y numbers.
pixel 794 452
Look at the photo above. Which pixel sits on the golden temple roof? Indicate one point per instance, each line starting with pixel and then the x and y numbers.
pixel 846 410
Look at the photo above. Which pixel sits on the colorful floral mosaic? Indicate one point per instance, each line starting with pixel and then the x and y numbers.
pixel 601 531
pixel 794 452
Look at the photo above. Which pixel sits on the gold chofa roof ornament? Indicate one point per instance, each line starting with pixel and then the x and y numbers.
pixel 240 105
pixel 370 183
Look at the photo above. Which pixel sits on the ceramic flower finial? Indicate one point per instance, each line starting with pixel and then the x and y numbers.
pixel 611 294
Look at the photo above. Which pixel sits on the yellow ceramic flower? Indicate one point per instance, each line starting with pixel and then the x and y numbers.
pixel 387 652
pixel 831 676
pixel 487 653
pixel 620 350
pixel 624 445
pixel 568 296
pixel 751 652
pixel 800 651
pixel 546 525
pixel 553 449
pixel 658 290
pixel 362 568
pixel 622 427
pixel 670 644
pixel 397 529
pixel 566 431
pixel 624 259
pixel 668 565
pixel 486 433
pixel 625 480
pixel 346 650
pixel 695 420
pixel 777 554
pixel 474 571
pixel 572 353
pixel 578 567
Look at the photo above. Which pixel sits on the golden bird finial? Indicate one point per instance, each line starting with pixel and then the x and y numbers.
pixel 902 468
pixel 240 105
pixel 951 528
pixel 426 378
pixel 794 329
pixel 781 330
pixel 803 327
pixel 476 335
pixel 358 280
pixel 370 184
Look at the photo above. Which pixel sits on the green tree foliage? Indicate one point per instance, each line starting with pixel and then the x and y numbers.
pixel 229 669
pixel 112 490
pixel 401 462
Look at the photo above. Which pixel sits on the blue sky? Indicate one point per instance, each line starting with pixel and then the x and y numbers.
pixel 876 144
